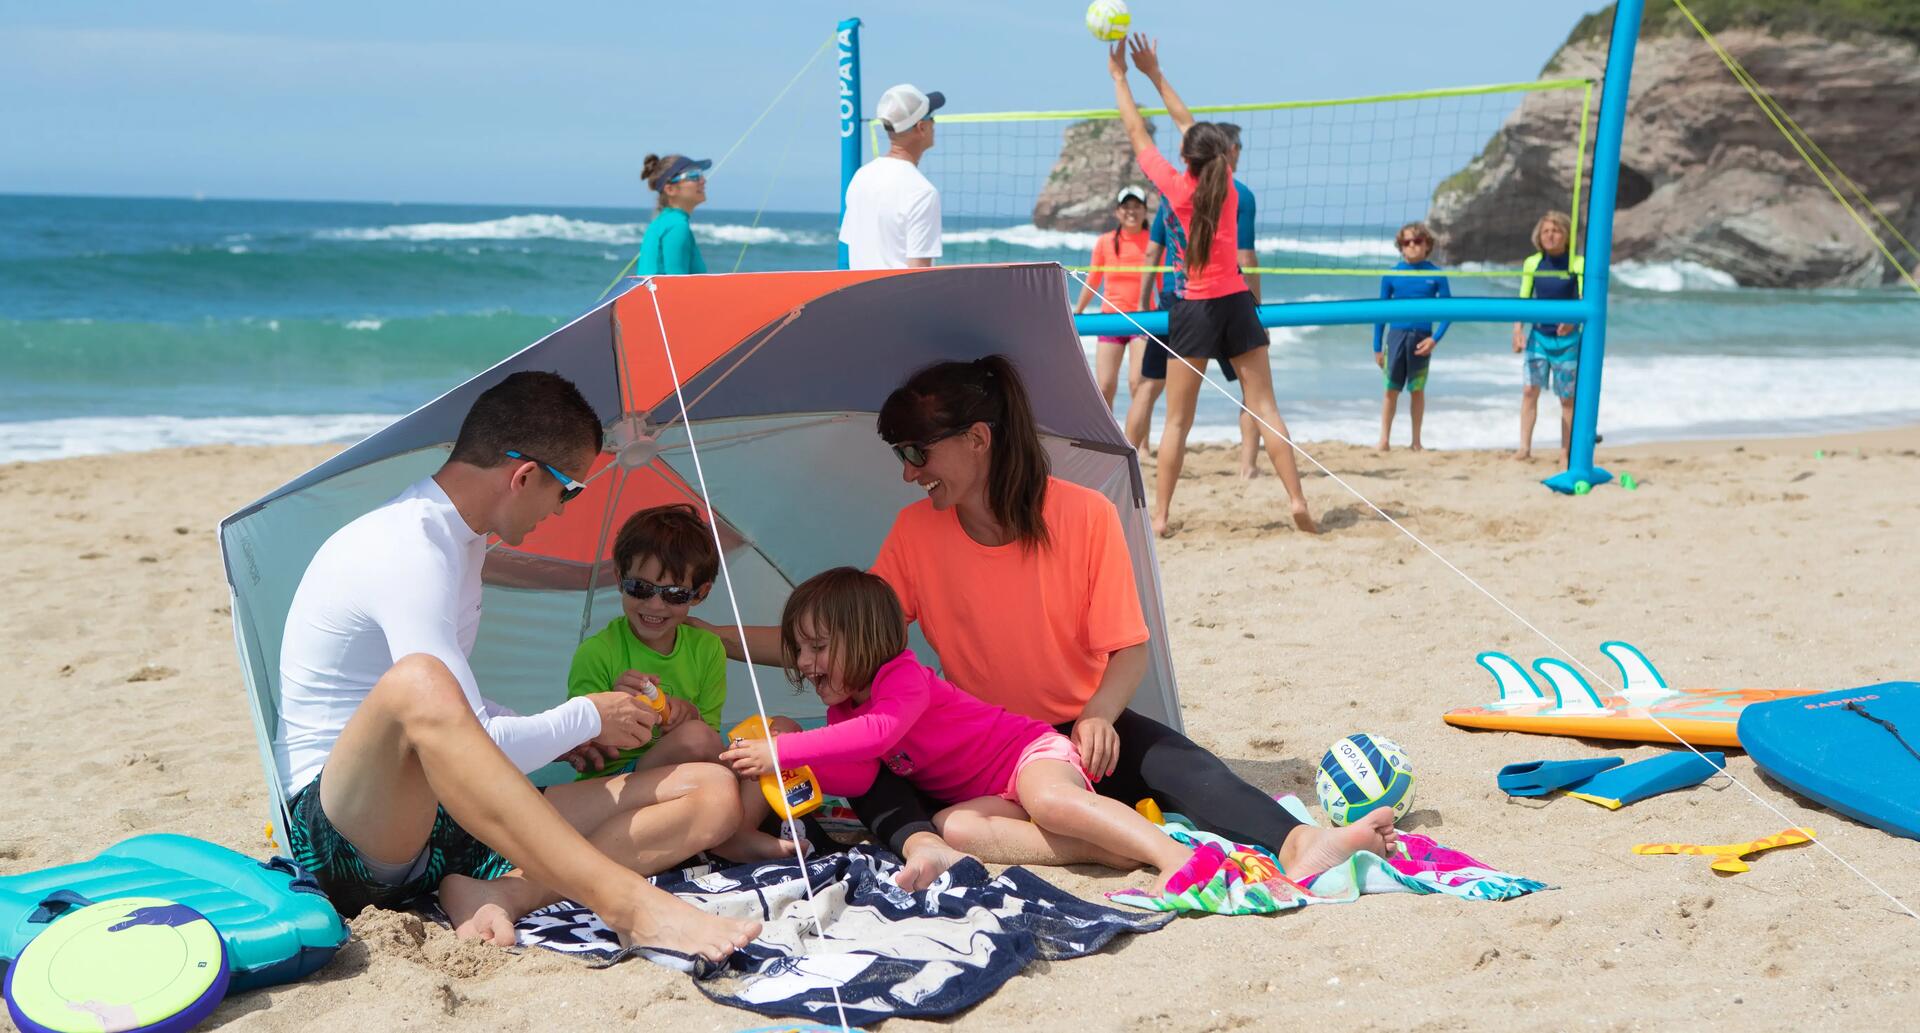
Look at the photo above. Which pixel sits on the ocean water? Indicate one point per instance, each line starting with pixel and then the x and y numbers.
pixel 129 323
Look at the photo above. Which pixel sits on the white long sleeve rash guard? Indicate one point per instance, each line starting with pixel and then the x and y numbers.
pixel 403 579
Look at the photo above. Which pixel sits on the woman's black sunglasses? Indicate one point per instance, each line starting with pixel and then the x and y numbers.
pixel 914 453
pixel 672 595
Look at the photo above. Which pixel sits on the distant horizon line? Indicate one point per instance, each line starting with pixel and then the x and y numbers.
pixel 204 198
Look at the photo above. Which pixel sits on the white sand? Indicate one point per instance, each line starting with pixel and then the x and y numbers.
pixel 1738 564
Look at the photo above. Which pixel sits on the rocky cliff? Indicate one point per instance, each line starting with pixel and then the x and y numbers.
pixel 1095 162
pixel 1705 176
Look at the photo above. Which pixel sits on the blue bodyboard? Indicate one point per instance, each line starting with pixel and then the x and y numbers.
pixel 1837 748
pixel 277 924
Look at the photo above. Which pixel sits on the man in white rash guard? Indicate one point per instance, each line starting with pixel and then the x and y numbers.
pixel 404 780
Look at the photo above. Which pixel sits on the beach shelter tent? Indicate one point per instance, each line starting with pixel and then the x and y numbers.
pixel 782 375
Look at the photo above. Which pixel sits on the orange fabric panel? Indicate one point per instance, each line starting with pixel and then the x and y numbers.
pixel 574 535
pixel 706 316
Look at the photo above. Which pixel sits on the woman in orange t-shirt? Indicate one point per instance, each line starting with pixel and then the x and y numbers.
pixel 1123 250
pixel 1024 586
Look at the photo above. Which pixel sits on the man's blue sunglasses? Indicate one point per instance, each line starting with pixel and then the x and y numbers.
pixel 569 489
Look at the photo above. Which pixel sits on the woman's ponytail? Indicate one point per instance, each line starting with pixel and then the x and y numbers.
pixel 1206 148
pixel 651 169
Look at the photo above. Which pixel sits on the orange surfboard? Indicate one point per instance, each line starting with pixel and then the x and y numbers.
pixel 1703 717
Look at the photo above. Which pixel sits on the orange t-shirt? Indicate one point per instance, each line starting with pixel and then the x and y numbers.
pixel 1024 629
pixel 1120 287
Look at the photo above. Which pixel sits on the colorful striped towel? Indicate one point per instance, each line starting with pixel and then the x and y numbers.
pixel 1226 878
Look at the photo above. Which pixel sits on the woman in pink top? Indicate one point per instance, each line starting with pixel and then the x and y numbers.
pixel 843 632
pixel 1216 316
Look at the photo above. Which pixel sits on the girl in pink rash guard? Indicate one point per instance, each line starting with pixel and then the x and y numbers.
pixel 843 633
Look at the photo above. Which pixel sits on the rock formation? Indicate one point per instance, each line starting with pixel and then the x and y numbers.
pixel 1095 162
pixel 1705 176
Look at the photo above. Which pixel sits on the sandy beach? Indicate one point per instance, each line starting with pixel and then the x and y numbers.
pixel 1748 563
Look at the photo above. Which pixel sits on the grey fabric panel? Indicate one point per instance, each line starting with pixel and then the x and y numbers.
pixel 581 351
pixel 852 347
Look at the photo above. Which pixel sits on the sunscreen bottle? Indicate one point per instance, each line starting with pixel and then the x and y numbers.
pixel 791 792
pixel 656 699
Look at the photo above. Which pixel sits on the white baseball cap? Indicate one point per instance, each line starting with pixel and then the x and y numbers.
pixel 1131 191
pixel 903 106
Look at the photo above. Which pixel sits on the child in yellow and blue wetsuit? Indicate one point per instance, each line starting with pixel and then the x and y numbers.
pixel 1552 273
pixel 1408 347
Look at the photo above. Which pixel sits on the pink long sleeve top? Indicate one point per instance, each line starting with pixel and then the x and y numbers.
pixel 950 745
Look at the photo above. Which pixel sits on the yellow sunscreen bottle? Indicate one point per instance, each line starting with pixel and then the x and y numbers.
pixel 655 699
pixel 793 791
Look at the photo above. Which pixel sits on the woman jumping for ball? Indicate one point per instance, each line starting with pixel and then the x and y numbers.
pixel 1216 316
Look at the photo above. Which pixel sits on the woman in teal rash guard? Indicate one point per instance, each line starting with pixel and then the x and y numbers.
pixel 668 247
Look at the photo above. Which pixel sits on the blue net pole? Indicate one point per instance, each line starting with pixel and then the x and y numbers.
pixel 1606 184
pixel 847 42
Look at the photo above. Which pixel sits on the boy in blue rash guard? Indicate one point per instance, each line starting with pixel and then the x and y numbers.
pixel 1409 346
pixel 1553 349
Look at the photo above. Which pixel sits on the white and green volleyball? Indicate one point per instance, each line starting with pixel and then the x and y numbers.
pixel 1108 19
pixel 1361 773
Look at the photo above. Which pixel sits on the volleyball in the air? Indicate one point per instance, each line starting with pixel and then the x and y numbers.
pixel 1361 773
pixel 1108 19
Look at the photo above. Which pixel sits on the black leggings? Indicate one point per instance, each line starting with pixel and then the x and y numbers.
pixel 1154 761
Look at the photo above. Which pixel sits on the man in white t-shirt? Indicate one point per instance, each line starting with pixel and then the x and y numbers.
pixel 404 780
pixel 893 212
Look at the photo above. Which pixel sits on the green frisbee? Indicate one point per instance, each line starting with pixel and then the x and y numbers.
pixel 136 963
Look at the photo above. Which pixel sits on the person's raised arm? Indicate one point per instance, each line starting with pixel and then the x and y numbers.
pixel 1146 57
pixel 1130 118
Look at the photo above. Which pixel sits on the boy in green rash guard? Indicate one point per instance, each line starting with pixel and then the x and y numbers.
pixel 667 247
pixel 667 563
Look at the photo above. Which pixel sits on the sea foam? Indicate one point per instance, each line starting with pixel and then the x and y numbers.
pixel 84 436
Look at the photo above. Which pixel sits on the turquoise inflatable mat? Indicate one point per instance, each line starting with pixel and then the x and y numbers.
pixel 277 924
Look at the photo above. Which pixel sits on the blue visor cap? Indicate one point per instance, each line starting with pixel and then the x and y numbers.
pixel 679 166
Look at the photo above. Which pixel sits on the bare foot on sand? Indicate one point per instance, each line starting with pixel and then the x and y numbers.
pixel 1523 455
pixel 1303 519
pixel 1310 851
pixel 1248 472
pixel 755 845
pixel 483 909
pixel 1163 526
pixel 660 919
pixel 925 865
pixel 1381 447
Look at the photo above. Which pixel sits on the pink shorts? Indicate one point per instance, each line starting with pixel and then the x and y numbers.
pixel 1051 746
pixel 1103 339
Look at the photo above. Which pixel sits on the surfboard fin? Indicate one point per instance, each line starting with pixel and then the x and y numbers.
pixel 1516 686
pixel 1571 693
pixel 1640 680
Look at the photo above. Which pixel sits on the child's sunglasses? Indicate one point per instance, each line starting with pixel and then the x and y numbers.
pixel 672 595
pixel 914 453
pixel 569 488
pixel 1411 241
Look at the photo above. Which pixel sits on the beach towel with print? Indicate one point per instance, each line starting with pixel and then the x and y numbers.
pixel 1227 878
pixel 889 952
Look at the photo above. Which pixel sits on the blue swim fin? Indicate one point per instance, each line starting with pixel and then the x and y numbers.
pixel 1634 782
pixel 1540 777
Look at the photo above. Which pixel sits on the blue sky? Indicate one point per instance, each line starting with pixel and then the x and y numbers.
pixel 501 103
